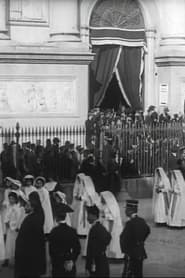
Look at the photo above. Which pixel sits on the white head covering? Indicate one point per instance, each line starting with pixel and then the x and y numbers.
pixel 40 178
pixel 61 195
pixel 17 182
pixel 9 179
pixel 163 177
pixel 28 177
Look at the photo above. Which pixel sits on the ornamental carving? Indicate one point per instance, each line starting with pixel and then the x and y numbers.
pixel 38 97
pixel 125 14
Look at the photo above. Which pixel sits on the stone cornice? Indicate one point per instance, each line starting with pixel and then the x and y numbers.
pixel 44 56
pixel 166 61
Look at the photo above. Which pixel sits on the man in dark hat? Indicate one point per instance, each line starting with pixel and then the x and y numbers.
pixel 98 239
pixel 64 245
pixel 132 241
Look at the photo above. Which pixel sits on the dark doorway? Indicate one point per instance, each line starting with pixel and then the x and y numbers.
pixel 113 98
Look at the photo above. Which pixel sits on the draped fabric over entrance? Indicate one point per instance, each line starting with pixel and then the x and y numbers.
pixel 118 39
pixel 126 62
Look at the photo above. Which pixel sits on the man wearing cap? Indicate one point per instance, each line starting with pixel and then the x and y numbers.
pixel 132 241
pixel 98 239
pixel 64 245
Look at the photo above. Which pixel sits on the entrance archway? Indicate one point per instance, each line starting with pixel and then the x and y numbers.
pixel 117 35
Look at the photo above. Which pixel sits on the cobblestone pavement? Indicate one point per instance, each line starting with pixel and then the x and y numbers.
pixel 165 248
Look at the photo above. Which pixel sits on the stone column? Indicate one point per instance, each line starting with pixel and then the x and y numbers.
pixel 64 25
pixel 3 20
pixel 172 22
pixel 150 95
pixel 169 58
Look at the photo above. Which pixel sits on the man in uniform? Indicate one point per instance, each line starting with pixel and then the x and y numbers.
pixel 132 241
pixel 98 239
pixel 64 245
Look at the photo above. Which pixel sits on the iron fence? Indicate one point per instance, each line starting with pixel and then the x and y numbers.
pixel 147 145
pixel 20 135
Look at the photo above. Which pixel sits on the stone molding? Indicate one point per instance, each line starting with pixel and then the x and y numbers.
pixel 44 57
pixel 166 61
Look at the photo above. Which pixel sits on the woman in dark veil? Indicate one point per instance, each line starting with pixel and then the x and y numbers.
pixel 30 254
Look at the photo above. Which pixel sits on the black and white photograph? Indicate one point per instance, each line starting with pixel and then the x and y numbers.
pixel 92 138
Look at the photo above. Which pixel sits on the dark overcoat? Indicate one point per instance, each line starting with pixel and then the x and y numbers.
pixel 133 237
pixel 30 253
pixel 98 240
pixel 64 246
pixel 132 244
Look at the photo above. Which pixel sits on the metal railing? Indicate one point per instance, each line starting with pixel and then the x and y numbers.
pixel 20 135
pixel 148 145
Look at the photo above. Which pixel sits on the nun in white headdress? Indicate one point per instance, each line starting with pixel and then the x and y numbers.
pixel 161 196
pixel 176 216
pixel 111 219
pixel 46 204
pixel 84 194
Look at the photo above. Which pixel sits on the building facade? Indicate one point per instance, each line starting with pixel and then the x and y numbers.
pixel 46 50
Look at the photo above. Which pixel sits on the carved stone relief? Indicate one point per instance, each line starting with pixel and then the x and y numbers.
pixel 38 97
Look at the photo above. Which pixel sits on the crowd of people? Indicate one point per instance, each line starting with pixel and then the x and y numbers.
pixel 35 216
pixel 61 163
pixel 100 118
pixel 133 147
pixel 148 140
pixel 52 160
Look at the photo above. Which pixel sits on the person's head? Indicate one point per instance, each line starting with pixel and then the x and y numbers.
pixel 15 185
pixel 40 182
pixel 131 207
pixel 34 201
pixel 56 141
pixel 8 181
pixel 61 210
pixel 48 142
pixel 28 180
pixel 91 159
pixel 151 109
pixel 92 214
pixel 60 197
pixel 166 110
pixel 13 198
